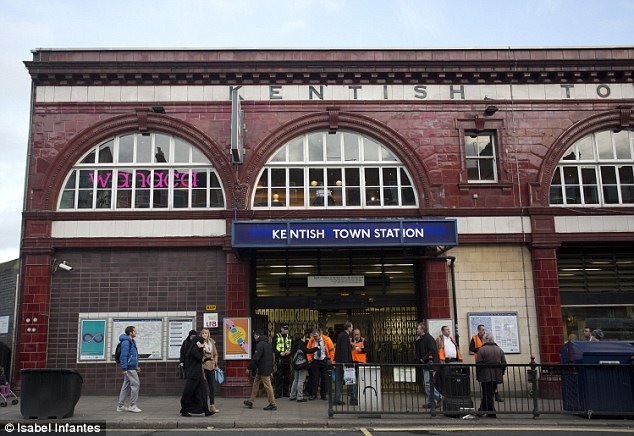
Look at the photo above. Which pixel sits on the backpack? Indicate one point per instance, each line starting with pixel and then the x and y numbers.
pixel 299 360
pixel 117 352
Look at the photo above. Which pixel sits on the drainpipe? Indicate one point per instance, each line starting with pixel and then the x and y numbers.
pixel 452 260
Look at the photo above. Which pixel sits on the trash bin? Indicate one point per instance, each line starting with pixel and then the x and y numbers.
pixel 456 386
pixel 369 388
pixel 604 388
pixel 49 393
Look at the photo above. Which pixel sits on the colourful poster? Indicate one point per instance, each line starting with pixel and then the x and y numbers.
pixel 237 338
pixel 92 344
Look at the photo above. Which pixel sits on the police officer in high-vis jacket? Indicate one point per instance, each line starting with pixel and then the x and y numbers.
pixel 282 349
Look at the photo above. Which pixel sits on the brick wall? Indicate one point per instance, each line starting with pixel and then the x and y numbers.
pixel 129 280
pixel 8 279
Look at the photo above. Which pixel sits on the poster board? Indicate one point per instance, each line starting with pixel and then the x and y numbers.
pixel 237 338
pixel 92 344
pixel 503 326
pixel 148 339
pixel 434 326
pixel 177 329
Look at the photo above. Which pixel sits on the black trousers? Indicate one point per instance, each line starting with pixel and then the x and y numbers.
pixel 319 377
pixel 282 379
pixel 487 404
pixel 210 376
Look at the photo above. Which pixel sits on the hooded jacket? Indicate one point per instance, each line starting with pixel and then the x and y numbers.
pixel 129 353
pixel 262 362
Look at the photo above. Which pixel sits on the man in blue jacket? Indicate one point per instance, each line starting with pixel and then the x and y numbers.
pixel 129 362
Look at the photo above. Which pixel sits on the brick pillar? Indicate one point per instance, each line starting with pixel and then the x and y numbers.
pixel 548 302
pixel 34 300
pixel 237 382
pixel 438 303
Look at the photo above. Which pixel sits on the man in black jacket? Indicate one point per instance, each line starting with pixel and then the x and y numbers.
pixel 262 366
pixel 426 351
pixel 343 357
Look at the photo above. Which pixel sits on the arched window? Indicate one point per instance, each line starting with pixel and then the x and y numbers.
pixel 338 170
pixel 135 171
pixel 597 170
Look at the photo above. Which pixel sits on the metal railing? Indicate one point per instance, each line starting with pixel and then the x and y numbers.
pixel 534 389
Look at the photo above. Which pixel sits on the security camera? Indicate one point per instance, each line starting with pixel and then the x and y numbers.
pixel 65 266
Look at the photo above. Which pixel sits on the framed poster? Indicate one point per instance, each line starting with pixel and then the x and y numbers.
pixel 92 343
pixel 177 331
pixel 149 338
pixel 503 326
pixel 237 338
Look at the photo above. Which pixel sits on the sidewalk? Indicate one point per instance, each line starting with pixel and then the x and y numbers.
pixel 163 413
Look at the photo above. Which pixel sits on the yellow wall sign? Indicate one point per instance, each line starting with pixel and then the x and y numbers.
pixel 210 307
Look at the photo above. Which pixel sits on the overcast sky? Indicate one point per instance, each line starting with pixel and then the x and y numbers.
pixel 26 25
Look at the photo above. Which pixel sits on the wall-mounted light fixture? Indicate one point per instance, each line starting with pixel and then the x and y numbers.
pixel 490 110
pixel 157 109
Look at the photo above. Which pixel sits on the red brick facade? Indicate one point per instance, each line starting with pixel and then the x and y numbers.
pixel 426 134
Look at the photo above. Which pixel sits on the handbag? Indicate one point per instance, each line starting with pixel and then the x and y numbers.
pixel 180 372
pixel 219 376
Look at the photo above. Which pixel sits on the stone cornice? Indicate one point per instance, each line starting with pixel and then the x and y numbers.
pixel 209 67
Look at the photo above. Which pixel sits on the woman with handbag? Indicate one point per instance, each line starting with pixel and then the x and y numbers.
pixel 210 361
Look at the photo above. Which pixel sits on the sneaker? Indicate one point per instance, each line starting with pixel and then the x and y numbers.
pixel 122 408
pixel 303 400
pixel 248 403
pixel 134 409
pixel 271 407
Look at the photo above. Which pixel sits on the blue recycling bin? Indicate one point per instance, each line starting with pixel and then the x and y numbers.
pixel 47 393
pixel 606 386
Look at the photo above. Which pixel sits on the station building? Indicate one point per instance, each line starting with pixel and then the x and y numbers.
pixel 241 189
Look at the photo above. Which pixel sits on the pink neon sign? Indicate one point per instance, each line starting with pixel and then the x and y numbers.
pixel 161 179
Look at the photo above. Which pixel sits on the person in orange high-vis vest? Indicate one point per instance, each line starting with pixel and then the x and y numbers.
pixel 448 350
pixel 321 356
pixel 474 346
pixel 360 347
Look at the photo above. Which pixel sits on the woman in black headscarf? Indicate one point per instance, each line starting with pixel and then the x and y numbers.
pixel 194 398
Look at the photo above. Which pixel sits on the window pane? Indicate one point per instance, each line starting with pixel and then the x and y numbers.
pixel 295 151
pixel 104 198
pixel 181 151
pixel 350 147
pixel 586 151
pixel 622 144
pixel 556 197
pixel 68 200
pixel 571 176
pixel 106 152
pixel 280 156
pixel 126 148
pixel 278 177
pixel 627 194
pixel 84 199
pixel 370 150
pixel 591 194
pixel 333 148
pixel 315 147
pixel 387 155
pixel 90 158
pixel 142 183
pixel 557 177
pixel 588 176
pixel 573 195
pixel 70 183
pixel 486 169
pixel 162 142
pixel 608 175
pixel 216 198
pixel 610 195
pixel 405 178
pixel 604 144
pixel 407 196
pixel 390 176
pixel 143 149
pixel 86 179
pixel 353 196
pixel 473 172
pixel 625 175
pixel 372 177
pixel 160 183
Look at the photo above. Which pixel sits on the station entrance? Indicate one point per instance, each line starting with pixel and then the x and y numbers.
pixel 380 290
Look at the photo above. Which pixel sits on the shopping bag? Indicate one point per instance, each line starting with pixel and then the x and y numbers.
pixel 180 372
pixel 349 376
pixel 219 376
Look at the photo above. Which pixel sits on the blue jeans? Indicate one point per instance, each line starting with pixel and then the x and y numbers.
pixel 427 386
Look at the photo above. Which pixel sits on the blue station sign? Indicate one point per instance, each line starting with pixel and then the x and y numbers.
pixel 343 233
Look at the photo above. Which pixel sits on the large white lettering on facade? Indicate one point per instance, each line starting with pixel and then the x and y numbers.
pixel 418 92
pixel 345 233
